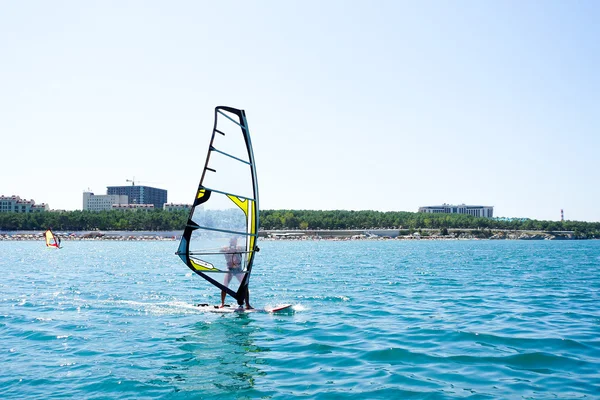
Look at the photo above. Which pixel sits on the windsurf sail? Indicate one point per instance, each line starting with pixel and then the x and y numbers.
pixel 51 239
pixel 219 241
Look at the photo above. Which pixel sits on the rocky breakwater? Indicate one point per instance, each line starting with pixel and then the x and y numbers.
pixel 516 235
pixel 81 236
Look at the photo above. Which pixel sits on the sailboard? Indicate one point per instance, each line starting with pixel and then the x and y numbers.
pixel 219 242
pixel 282 308
pixel 52 240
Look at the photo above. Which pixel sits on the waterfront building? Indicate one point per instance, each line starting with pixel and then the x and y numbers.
pixel 141 194
pixel 102 202
pixel 176 207
pixel 19 205
pixel 476 211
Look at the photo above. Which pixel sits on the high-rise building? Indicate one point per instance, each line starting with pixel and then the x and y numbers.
pixel 141 194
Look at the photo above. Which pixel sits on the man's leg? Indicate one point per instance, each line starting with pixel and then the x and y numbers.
pixel 248 306
pixel 224 293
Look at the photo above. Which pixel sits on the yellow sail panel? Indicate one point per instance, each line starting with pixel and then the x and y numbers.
pixel 200 265
pixel 241 203
pixel 51 239
pixel 252 225
pixel 249 209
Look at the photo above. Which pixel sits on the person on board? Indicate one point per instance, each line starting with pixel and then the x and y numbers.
pixel 55 237
pixel 233 257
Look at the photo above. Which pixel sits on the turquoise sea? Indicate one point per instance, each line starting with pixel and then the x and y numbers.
pixel 372 320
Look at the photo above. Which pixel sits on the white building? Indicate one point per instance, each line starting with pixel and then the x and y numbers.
pixel 176 207
pixel 103 202
pixel 476 211
pixel 132 207
pixel 16 204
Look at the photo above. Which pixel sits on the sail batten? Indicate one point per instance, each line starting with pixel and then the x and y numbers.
pixel 229 155
pixel 213 253
pixel 220 237
pixel 231 119
pixel 229 194
pixel 224 231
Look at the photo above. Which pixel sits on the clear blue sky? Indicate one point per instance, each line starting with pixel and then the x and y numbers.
pixel 355 105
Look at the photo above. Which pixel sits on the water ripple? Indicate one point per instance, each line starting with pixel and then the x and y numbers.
pixel 377 320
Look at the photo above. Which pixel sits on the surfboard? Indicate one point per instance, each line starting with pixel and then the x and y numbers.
pixel 281 307
pixel 241 310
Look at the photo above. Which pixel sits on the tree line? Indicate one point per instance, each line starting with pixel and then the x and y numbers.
pixel 160 220
pixel 343 219
pixel 113 220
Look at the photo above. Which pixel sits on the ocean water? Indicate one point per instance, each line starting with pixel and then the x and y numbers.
pixel 372 320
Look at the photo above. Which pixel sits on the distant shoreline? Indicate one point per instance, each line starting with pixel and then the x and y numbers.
pixel 299 235
pixel 93 235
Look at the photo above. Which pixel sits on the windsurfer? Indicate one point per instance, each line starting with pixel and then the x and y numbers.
pixel 233 257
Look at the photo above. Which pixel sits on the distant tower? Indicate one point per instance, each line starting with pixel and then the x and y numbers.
pixel 562 215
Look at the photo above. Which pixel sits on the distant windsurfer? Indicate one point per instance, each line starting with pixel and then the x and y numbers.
pixel 51 239
pixel 233 257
